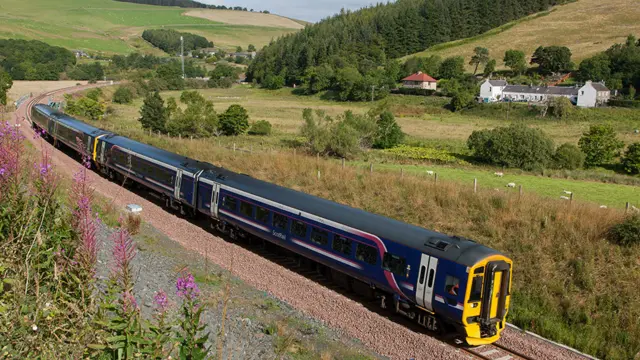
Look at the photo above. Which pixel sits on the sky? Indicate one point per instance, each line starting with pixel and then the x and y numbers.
pixel 309 10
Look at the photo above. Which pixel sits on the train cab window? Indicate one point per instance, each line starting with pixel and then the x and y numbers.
pixel 298 228
pixel 394 263
pixel 479 270
pixel 319 237
pixel 452 285
pixel 341 245
pixel 229 203
pixel 262 214
pixel 246 209
pixel 366 253
pixel 280 221
pixel 476 289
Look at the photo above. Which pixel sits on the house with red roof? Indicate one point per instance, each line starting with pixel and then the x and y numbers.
pixel 419 80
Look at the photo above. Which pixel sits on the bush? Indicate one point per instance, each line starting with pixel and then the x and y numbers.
pixel 234 121
pixel 273 82
pixel 343 136
pixel 461 99
pixel 560 107
pixel 94 94
pixel 262 127
pixel 626 233
pixel 513 146
pixel 568 157
pixel 389 133
pixel 123 95
pixel 625 103
pixel 631 159
pixel 600 145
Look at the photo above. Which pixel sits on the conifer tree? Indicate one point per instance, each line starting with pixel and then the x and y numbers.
pixel 153 114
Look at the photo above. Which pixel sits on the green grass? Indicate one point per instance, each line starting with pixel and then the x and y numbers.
pixel 114 27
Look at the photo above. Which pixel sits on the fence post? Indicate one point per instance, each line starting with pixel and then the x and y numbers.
pixel 218 142
pixel 294 152
pixel 318 174
pixel 370 168
pixel 436 178
pixel 571 198
pixel 191 137
pixel 626 208
pixel 475 185
pixel 342 163
pixel 401 173
pixel 520 192
pixel 180 136
pixel 234 146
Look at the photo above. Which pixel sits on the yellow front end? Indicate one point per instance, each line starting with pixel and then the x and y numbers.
pixel 486 305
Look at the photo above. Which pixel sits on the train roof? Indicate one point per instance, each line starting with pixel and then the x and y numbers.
pixel 70 121
pixel 460 250
pixel 175 160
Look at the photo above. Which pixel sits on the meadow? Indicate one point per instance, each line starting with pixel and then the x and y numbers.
pixel 585 26
pixel 116 27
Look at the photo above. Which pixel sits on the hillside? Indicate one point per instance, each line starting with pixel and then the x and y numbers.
pixel 586 27
pixel 116 27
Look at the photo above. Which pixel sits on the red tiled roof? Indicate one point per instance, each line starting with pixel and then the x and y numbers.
pixel 419 76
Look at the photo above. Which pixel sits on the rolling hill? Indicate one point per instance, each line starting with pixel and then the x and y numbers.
pixel 585 26
pixel 116 27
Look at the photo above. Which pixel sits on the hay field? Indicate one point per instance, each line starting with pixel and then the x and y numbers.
pixel 21 88
pixel 585 26
pixel 244 18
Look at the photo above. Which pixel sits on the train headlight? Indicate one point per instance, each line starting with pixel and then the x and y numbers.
pixel 474 305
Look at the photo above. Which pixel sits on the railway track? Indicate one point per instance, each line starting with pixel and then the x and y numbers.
pixel 487 352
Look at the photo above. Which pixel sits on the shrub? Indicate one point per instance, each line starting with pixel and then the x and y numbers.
pixel 94 94
pixel 123 95
pixel 631 159
pixel 626 233
pixel 560 107
pixel 273 82
pixel 262 127
pixel 600 145
pixel 389 133
pixel 234 121
pixel 568 157
pixel 513 146
pixel 461 99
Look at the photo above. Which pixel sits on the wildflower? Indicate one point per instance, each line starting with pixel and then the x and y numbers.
pixel 34 327
pixel 187 288
pixel 124 251
pixel 160 299
pixel 46 305
pixel 129 303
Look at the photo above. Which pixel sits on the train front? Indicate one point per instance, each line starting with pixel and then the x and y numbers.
pixel 487 299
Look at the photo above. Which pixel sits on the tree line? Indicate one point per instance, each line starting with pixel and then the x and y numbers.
pixel 189 4
pixel 34 60
pixel 366 39
pixel 169 40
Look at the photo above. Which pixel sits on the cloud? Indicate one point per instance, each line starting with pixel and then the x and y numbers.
pixel 309 10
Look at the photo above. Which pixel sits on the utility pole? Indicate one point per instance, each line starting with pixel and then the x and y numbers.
pixel 182 54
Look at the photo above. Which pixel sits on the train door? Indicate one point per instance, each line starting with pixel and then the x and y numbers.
pixel 426 281
pixel 215 196
pixel 176 189
pixel 495 291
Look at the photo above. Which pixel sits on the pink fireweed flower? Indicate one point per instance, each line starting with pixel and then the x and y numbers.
pixel 161 301
pixel 129 303
pixel 124 251
pixel 187 288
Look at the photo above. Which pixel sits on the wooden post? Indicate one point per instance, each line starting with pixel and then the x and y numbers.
pixel 294 152
pixel 401 173
pixel 180 136
pixel 191 137
pixel 234 146
pixel 436 178
pixel 571 198
pixel 343 166
pixel 520 192
pixel 318 174
pixel 475 185
pixel 626 208
pixel 370 168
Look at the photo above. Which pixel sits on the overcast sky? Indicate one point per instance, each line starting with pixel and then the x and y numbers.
pixel 309 10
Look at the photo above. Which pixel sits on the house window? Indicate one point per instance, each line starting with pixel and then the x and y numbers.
pixel 298 228
pixel 341 245
pixel 452 285
pixel 395 264
pixel 262 214
pixel 319 237
pixel 366 253
pixel 229 203
pixel 280 221
pixel 246 209
pixel 582 92
pixel 489 88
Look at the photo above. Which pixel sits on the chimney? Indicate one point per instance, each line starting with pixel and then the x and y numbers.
pixel 419 72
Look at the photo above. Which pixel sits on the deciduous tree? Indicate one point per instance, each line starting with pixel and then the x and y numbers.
pixel 153 114
pixel 600 145
pixel 515 60
pixel 480 57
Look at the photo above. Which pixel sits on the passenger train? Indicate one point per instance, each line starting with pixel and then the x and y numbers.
pixel 442 282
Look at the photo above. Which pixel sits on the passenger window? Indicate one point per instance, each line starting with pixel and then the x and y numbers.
pixel 319 237
pixel 476 289
pixel 229 203
pixel 423 270
pixel 262 214
pixel 246 209
pixel 298 228
pixel 431 276
pixel 452 285
pixel 280 221
pixel 366 253
pixel 341 244
pixel 394 263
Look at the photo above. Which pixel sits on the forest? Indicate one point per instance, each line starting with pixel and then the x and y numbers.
pixel 34 60
pixel 169 40
pixel 187 4
pixel 368 38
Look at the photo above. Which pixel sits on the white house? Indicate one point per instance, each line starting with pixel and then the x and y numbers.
pixel 538 93
pixel 593 94
pixel 491 90
pixel 420 80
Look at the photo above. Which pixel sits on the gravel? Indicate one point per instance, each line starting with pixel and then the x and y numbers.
pixel 350 318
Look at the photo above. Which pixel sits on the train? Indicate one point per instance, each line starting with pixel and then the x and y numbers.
pixel 444 283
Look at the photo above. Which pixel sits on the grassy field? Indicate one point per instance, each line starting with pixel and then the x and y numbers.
pixel 116 27
pixel 245 18
pixel 585 26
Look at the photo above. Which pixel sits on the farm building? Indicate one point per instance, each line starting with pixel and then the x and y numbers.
pixel 419 80
pixel 590 95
